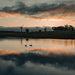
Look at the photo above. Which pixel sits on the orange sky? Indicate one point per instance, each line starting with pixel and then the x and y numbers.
pixel 14 19
pixel 32 13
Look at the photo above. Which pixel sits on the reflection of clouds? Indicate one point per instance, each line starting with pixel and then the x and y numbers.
pixel 53 50
pixel 44 51
pixel 56 60
pixel 35 63
pixel 30 68
pixel 6 52
pixel 6 67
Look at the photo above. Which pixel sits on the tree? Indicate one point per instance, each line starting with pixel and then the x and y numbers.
pixel 27 30
pixel 45 29
pixel 40 31
pixel 21 28
pixel 71 28
pixel 67 27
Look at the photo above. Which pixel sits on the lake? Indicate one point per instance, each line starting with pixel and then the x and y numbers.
pixel 37 56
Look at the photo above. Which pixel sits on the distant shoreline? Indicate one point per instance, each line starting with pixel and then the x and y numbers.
pixel 51 34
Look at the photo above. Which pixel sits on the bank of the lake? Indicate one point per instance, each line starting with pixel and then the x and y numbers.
pixel 52 34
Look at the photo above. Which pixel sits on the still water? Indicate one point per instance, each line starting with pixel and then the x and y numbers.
pixel 37 57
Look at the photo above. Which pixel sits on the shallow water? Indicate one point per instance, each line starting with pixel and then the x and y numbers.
pixel 37 57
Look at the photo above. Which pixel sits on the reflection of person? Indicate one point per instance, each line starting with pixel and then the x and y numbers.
pixel 27 39
pixel 27 43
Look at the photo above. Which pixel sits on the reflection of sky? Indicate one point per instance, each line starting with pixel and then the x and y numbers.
pixel 35 64
pixel 30 68
pixel 47 44
pixel 45 57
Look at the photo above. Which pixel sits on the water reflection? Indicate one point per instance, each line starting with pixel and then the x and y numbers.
pixel 31 60
pixel 21 41
pixel 65 42
pixel 45 57
pixel 40 57
pixel 19 44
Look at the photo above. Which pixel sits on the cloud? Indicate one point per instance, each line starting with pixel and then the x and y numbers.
pixel 21 8
pixel 6 15
pixel 32 63
pixel 42 11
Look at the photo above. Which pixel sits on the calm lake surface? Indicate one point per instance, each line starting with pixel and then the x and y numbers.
pixel 37 56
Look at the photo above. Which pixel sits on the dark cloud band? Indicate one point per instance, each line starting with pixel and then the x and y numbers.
pixel 51 9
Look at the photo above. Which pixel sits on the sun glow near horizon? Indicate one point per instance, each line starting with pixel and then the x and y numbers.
pixel 47 13
pixel 16 20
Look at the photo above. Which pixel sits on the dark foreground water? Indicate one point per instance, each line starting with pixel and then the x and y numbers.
pixel 37 57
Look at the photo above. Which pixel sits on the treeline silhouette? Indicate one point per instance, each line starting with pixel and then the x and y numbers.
pixel 59 28
pixel 60 32
pixel 64 28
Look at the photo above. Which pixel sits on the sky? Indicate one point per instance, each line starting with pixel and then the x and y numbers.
pixel 37 13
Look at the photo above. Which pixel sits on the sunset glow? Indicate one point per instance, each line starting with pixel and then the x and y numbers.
pixel 43 14
pixel 6 52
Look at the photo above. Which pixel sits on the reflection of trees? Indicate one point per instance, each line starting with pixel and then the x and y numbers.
pixel 69 43
pixel 65 42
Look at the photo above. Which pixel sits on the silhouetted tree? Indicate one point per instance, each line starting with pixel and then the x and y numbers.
pixel 60 28
pixel 63 28
pixel 27 30
pixel 21 28
pixel 53 28
pixel 45 29
pixel 71 28
pixel 67 27
pixel 39 30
